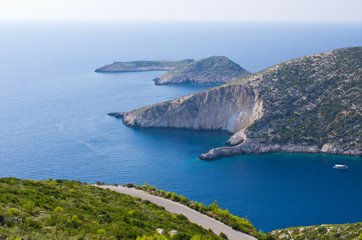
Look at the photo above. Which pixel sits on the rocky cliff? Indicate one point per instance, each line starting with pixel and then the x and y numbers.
pixel 139 66
pixel 205 71
pixel 221 108
pixel 306 105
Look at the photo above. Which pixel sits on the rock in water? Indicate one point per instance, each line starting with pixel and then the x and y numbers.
pixel 205 71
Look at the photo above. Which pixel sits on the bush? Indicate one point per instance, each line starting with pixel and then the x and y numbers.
pixel 175 197
pixel 223 235
pixel 29 207
pixel 182 236
pixel 183 199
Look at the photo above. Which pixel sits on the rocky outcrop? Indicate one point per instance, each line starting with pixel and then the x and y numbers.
pixel 255 147
pixel 161 231
pixel 228 108
pixel 205 71
pixel 140 66
pixel 306 105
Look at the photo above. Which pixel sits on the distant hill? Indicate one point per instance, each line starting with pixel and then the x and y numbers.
pixel 140 66
pixel 307 105
pixel 205 71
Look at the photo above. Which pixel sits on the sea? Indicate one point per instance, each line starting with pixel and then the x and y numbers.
pixel 54 122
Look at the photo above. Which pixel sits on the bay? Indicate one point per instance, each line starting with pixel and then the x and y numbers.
pixel 54 123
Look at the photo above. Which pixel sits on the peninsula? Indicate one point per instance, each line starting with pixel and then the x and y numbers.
pixel 209 70
pixel 140 66
pixel 307 105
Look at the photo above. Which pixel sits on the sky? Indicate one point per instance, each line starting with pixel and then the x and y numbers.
pixel 182 10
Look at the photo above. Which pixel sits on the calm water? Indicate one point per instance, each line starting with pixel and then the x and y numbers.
pixel 53 120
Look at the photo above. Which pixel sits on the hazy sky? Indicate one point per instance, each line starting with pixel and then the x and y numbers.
pixel 182 10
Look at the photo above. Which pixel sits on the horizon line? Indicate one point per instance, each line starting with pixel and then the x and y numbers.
pixel 171 21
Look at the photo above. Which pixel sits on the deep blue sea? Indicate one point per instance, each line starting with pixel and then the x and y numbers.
pixel 54 123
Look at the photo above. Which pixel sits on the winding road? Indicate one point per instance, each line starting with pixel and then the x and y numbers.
pixel 193 216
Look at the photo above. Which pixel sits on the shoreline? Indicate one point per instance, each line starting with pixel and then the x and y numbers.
pixel 251 148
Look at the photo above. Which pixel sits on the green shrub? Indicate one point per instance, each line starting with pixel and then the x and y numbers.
pixel 175 197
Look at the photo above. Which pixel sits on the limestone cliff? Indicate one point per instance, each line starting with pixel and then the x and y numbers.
pixel 306 105
pixel 205 71
pixel 140 66
pixel 222 108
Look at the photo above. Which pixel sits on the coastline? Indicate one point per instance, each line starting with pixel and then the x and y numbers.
pixel 250 147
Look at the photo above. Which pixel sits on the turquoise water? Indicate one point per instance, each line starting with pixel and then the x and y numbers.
pixel 53 120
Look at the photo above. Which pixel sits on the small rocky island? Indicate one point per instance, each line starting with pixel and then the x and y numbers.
pixel 209 70
pixel 306 105
pixel 140 66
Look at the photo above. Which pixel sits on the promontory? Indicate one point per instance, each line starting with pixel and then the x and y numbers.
pixel 307 105
pixel 140 66
pixel 215 69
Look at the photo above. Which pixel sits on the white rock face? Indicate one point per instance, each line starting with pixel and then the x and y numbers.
pixel 328 148
pixel 237 138
pixel 229 107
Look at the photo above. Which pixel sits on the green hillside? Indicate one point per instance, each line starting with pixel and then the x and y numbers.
pixel 313 100
pixel 62 209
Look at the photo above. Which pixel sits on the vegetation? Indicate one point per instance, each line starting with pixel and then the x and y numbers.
pixel 313 100
pixel 61 209
pixel 325 232
pixel 213 210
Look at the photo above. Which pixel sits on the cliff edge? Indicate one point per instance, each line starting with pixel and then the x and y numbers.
pixel 307 105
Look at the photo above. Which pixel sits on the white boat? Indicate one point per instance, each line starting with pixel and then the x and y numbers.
pixel 340 167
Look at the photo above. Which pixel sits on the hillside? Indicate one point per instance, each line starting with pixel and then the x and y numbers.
pixel 307 105
pixel 205 71
pixel 139 66
pixel 61 209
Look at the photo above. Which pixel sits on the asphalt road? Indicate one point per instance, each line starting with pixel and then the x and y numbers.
pixel 193 216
